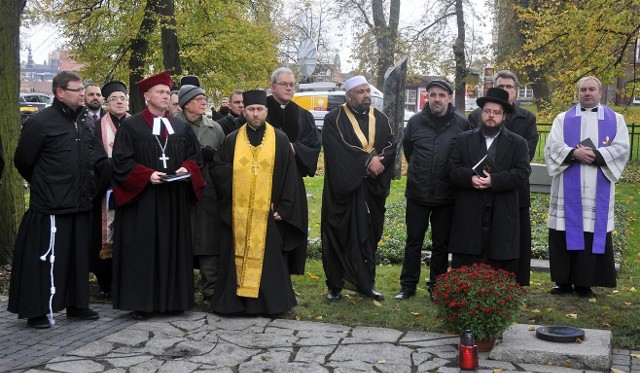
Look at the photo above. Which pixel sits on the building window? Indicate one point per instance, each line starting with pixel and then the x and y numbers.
pixel 525 92
pixel 411 97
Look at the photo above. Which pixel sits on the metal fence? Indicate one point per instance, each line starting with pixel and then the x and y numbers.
pixel 634 140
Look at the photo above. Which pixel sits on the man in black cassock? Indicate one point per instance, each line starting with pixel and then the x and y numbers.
pixel 60 156
pixel 100 261
pixel 262 208
pixel 152 250
pixel 294 120
pixel 359 152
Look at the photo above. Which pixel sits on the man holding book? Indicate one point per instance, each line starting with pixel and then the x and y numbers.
pixel 586 152
pixel 488 165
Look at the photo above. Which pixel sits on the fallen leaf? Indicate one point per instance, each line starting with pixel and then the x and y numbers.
pixel 535 311
pixel 614 370
pixel 572 315
pixel 377 304
pixel 633 289
pixel 497 370
pixel 264 358
pixel 627 303
pixel 615 291
pixel 312 276
pixel 592 300
pixel 318 317
pixel 382 361
pixel 578 340
pixel 637 356
pixel 531 328
pixel 298 317
pixel 549 310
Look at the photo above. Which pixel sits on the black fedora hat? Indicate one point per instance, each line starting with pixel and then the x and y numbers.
pixel 498 96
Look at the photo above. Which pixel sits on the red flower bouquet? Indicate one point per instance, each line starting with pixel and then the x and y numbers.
pixel 477 298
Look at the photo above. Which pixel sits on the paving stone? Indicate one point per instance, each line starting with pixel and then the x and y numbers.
pixel 430 365
pixel 74 366
pixel 178 367
pixel 129 337
pixel 370 334
pixel 372 353
pixel 314 354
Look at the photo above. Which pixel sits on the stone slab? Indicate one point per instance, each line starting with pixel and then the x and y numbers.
pixel 520 345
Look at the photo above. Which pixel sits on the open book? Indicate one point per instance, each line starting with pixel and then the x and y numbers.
pixel 485 164
pixel 175 177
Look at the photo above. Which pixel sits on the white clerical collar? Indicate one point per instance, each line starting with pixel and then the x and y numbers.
pixel 600 111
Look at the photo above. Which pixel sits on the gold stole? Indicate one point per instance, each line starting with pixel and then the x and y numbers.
pixel 251 206
pixel 367 144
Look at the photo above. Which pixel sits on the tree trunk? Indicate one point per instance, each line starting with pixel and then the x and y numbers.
pixel 139 49
pixel 386 36
pixel 170 46
pixel 460 60
pixel 11 185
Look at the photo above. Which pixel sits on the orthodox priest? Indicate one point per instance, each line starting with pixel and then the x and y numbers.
pixel 262 209
pixel 359 152
pixel 157 179
pixel 115 94
pixel 586 152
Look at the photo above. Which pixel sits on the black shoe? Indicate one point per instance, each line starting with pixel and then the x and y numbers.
pixel 430 286
pixel 82 313
pixel 39 322
pixel 141 315
pixel 334 295
pixel 174 312
pixel 404 294
pixel 584 291
pixel 561 289
pixel 376 295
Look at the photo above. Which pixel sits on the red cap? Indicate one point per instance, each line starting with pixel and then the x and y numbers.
pixel 160 78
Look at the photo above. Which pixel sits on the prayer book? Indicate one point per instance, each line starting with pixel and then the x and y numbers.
pixel 485 164
pixel 588 143
pixel 182 176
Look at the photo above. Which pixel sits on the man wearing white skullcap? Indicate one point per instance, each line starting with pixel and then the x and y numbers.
pixel 359 152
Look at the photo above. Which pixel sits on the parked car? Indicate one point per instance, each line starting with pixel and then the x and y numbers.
pixel 31 103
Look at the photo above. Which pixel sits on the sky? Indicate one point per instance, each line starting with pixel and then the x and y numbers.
pixel 44 39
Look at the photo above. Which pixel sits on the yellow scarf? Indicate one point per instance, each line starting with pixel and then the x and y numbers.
pixel 251 206
pixel 367 144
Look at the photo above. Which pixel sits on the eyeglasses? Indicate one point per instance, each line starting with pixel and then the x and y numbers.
pixel 285 84
pixel 81 89
pixel 118 99
pixel 494 112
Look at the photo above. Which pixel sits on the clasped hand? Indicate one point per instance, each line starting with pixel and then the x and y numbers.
pixel 584 154
pixel 375 166
pixel 481 182
pixel 156 176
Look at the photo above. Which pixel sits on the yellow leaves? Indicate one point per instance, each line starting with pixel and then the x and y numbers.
pixel 298 318
pixel 417 315
pixel 636 356
pixel 592 300
pixel 535 311
pixel 377 304
pixel 549 310
pixel 318 317
pixel 628 303
pixel 614 370
pixel 497 370
pixel 312 276
pixel 382 361
pixel 572 315
pixel 531 328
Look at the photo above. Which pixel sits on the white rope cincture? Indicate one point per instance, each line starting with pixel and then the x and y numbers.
pixel 51 252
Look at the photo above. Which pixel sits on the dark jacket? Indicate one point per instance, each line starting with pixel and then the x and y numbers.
pixel 59 155
pixel 470 206
pixel 522 122
pixel 427 148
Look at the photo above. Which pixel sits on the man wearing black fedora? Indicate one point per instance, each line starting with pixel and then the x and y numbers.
pixel 487 166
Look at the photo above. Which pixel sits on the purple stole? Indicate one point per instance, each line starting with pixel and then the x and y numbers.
pixel 572 183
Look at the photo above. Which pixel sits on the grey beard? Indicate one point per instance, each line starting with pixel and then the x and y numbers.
pixel 490 131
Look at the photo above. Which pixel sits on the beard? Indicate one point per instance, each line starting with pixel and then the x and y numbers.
pixel 94 105
pixel 490 131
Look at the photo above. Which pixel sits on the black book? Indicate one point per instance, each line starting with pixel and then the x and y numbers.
pixel 175 177
pixel 588 143
pixel 485 164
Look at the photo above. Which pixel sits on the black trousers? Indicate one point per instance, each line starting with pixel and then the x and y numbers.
pixel 417 221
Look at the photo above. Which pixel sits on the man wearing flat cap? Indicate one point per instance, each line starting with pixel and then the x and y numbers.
pixel 427 144
pixel 115 95
pixel 205 218
pixel 359 152
pixel 487 167
pixel 262 209
pixel 522 122
pixel 152 253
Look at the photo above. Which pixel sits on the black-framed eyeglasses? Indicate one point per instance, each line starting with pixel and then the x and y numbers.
pixel 81 89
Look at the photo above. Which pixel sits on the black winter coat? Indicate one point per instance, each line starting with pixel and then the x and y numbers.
pixel 60 156
pixel 427 149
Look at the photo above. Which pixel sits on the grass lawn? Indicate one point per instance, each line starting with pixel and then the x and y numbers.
pixel 617 309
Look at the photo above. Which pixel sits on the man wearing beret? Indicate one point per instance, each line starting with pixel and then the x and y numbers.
pixel 522 122
pixel 427 144
pixel 487 167
pixel 115 94
pixel 205 218
pixel 359 153
pixel 262 233
pixel 152 251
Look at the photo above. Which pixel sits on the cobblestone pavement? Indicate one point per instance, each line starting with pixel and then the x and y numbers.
pixel 202 342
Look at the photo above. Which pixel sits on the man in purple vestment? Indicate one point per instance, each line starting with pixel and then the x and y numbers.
pixel 585 154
